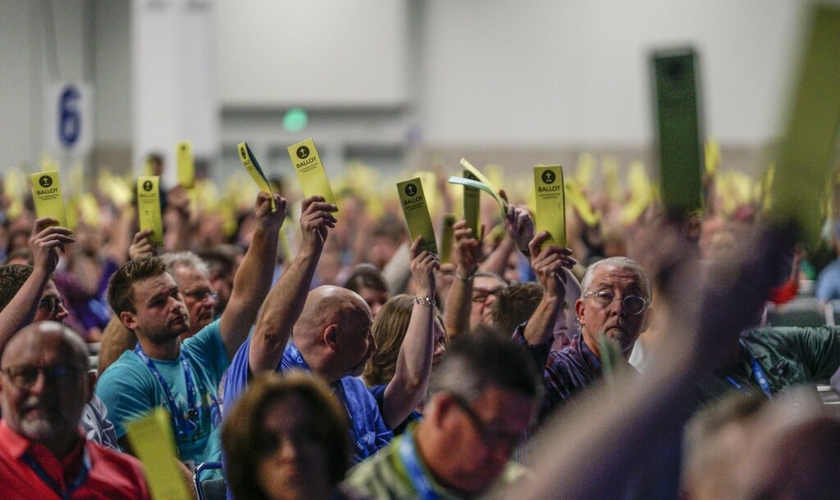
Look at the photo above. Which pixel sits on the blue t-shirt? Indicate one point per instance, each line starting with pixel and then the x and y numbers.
pixel 828 282
pixel 368 432
pixel 378 392
pixel 130 391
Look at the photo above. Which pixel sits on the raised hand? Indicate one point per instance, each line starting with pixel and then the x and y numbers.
pixel 423 266
pixel 267 219
pixel 45 241
pixel 141 245
pixel 315 220
pixel 520 227
pixel 548 264
pixel 467 248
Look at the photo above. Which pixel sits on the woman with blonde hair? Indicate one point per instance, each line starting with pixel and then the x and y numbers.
pixel 390 329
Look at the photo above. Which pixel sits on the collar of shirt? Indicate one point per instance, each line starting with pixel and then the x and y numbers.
pixel 60 471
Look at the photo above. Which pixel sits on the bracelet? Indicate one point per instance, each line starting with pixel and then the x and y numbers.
pixel 425 301
pixel 465 278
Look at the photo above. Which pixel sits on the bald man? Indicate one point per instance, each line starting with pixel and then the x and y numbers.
pixel 44 385
pixel 330 332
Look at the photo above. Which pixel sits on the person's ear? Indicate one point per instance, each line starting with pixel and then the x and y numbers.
pixel 128 319
pixel 580 309
pixel 648 319
pixel 331 336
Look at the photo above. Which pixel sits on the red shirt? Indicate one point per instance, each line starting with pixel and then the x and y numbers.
pixel 110 475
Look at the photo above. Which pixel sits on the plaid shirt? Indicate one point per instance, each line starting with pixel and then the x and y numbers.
pixel 565 372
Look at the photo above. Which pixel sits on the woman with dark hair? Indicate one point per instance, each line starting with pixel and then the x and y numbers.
pixel 368 282
pixel 286 439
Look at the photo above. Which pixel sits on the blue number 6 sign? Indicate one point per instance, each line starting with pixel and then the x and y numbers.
pixel 70 119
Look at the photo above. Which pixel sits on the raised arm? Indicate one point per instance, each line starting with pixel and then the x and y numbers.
pixel 615 428
pixel 285 301
pixel 456 314
pixel 178 238
pixel 45 242
pixel 414 361
pixel 549 264
pixel 253 278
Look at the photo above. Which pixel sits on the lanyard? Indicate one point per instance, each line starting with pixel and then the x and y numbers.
pixel 183 427
pixel 758 373
pixel 419 479
pixel 46 479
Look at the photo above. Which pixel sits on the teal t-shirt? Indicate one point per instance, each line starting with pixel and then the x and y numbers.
pixel 130 390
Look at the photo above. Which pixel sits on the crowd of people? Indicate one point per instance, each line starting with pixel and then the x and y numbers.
pixel 319 353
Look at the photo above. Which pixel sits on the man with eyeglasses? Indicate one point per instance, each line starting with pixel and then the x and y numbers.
pixel 612 311
pixel 484 396
pixel 193 278
pixel 43 454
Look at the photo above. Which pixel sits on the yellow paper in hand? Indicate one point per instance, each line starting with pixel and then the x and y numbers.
pixel 550 213
pixel 413 203
pixel 152 441
pixel 310 170
pixel 148 207
pixel 186 164
pixel 253 167
pixel 447 238
pixel 46 193
pixel 429 181
pixel 472 204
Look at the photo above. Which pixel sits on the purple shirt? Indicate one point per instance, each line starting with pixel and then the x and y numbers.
pixel 565 372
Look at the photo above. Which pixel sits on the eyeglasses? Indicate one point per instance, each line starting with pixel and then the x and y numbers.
pixel 495 438
pixel 633 304
pixel 25 376
pixel 483 295
pixel 51 303
pixel 200 295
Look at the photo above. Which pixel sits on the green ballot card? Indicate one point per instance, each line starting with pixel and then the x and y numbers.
pixel 148 207
pixel 447 238
pixel 46 193
pixel 678 129
pixel 416 212
pixel 255 171
pixel 489 189
pixel 152 441
pixel 810 138
pixel 185 164
pixel 472 204
pixel 310 170
pixel 549 193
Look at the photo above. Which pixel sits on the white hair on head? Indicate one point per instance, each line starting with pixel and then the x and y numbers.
pixel 621 263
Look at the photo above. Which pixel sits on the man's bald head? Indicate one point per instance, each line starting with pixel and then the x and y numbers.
pixel 333 331
pixel 45 384
pixel 54 335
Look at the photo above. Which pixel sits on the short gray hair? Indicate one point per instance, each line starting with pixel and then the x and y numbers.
pixel 189 260
pixel 621 263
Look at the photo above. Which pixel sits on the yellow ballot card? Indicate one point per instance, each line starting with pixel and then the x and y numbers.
pixel 186 164
pixel 550 203
pixel 810 139
pixel 46 193
pixel 416 212
pixel 472 204
pixel 310 170
pixel 148 206
pixel 152 442
pixel 256 172
pixel 447 238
